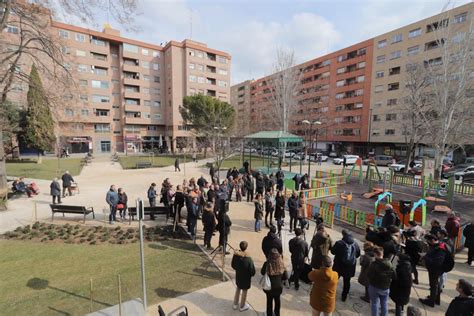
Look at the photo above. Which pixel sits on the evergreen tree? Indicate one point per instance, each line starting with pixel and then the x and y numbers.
pixel 39 129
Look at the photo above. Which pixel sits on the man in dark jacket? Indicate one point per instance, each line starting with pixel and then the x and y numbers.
pixel 462 305
pixel 67 182
pixel 299 252
pixel 453 223
pixel 212 172
pixel 201 182
pixel 235 173
pixel 381 274
pixel 246 166
pixel 468 233
pixel 345 251
pixel 260 184
pixel 244 268
pixel 293 210
pixel 176 165
pixel 223 226
pixel 321 244
pixel 271 241
pixel 209 224
pixel 400 288
pixel 249 187
pixel 178 202
pixel 390 217
pixel 112 199
pixel 434 260
pixel 55 190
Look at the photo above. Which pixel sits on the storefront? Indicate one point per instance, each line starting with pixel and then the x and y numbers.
pixel 153 143
pixel 81 144
pixel 133 143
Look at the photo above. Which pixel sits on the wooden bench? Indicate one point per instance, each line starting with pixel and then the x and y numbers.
pixel 71 209
pixel 148 210
pixel 144 164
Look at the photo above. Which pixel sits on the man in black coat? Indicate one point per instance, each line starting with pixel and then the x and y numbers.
pixel 468 233
pixel 260 184
pixel 390 218
pixel 299 252
pixel 67 182
pixel 55 190
pixel 244 268
pixel 434 260
pixel 345 251
pixel 209 224
pixel 223 226
pixel 201 182
pixel 400 287
pixel 293 210
pixel 249 187
pixel 271 241
pixel 246 166
pixel 462 305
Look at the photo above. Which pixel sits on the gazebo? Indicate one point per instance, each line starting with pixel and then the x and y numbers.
pixel 277 139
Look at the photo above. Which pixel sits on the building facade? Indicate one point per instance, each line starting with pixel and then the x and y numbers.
pixel 356 92
pixel 126 93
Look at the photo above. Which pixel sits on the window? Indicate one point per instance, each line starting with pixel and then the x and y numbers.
pixel 130 48
pixel 359 92
pixel 156 79
pixel 222 71
pixel 460 18
pixel 145 64
pixel 434 44
pixel 84 97
pixel 389 132
pixel 12 29
pixel 80 53
pixel 341 70
pixel 392 101
pixel 147 103
pixel 156 54
pixel 201 80
pixel 99 71
pixel 222 60
pixel 132 88
pixel 191 53
pixel 361 65
pixel 378 89
pixel 414 50
pixel 396 54
pixel 157 116
pixel 200 67
pixel 192 66
pixel 360 78
pixel 145 90
pixel 68 112
pixel 459 37
pixel 145 52
pixel 377 104
pixel 82 68
pixel 380 59
pixel 65 50
pixel 393 86
pixel 132 102
pixel 382 43
pixel 437 25
pixel 63 34
pixel 101 128
pixel 397 38
pixel 80 37
pixel 222 83
pixel 157 103
pixel 114 68
pixel 114 55
pixel 192 78
pixel 146 77
pixel 394 71
pixel 379 74
pixel 339 96
pixel 375 118
pixel 359 105
pixel 340 83
pixel 100 98
pixel 414 33
pixel 375 132
pixel 156 90
pixel 101 112
pixel 98 42
pixel 83 83
pixel 99 84
pixel 84 112
pixel 156 66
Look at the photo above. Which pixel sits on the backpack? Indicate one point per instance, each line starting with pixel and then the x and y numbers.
pixel 448 263
pixel 349 258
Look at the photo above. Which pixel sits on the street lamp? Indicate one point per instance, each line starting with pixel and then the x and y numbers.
pixel 306 122
pixel 220 130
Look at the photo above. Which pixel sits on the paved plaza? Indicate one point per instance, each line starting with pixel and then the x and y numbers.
pixel 94 182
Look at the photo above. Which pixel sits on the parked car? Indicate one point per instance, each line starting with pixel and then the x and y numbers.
pixel 332 154
pixel 350 159
pixel 468 178
pixel 398 167
pixel 250 150
pixel 459 171
pixel 416 170
pixel 469 160
pixel 314 157
pixel 289 153
pixel 299 156
pixel 380 160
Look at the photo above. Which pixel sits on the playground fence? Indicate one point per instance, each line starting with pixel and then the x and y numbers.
pixel 350 216
pixel 315 193
pixel 322 182
pixel 327 215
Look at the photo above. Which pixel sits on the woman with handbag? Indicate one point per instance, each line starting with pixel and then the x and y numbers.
pixel 274 273
pixel 122 203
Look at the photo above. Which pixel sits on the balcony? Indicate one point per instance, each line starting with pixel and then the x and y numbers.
pixel 131 81
pixel 100 119
pixel 131 68
pixel 138 120
pixel 133 108
pixel 132 94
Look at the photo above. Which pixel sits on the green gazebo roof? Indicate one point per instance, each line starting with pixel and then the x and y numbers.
pixel 275 136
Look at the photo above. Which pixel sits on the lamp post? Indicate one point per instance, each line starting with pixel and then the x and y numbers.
pixel 220 130
pixel 311 140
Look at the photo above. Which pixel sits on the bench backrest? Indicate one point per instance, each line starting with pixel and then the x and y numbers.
pixel 158 210
pixel 69 208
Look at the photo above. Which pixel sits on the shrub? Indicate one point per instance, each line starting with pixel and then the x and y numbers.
pixel 44 239
pixel 75 232
pixel 34 234
pixel 82 240
pixel 51 226
pixel 11 234
pixel 117 228
pixel 52 235
pixel 93 242
pixel 91 237
pixel 69 241
pixel 77 226
pixel 36 225
pixel 130 230
pixel 84 234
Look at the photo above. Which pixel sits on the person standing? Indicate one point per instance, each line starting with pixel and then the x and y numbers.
pixel 293 210
pixel 413 248
pixel 209 224
pixel 55 188
pixel 365 260
pixel 390 218
pixel 223 226
pixel 434 260
pixel 244 268
pixel 400 287
pixel 269 207
pixel 323 293
pixel 249 187
pixel 192 216
pixel 468 233
pixel 258 214
pixel 194 157
pixel 271 241
pixel 260 184
pixel 435 227
pixel 345 251
pixel 299 253
pixel 275 268
pixel 462 305
pixel 280 210
pixel 112 200
pixel 178 202
pixel 238 189
pixel 302 211
pixel 453 223
pixel 176 165
pixel 230 187
pixel 321 245
pixel 246 167
pixel 67 183
pixel 381 274
pixel 122 203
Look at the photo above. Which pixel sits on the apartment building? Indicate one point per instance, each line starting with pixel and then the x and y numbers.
pixel 394 52
pixel 333 89
pixel 127 93
pixel 356 92
pixel 240 99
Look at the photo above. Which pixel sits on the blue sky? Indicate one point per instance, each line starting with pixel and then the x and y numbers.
pixel 251 31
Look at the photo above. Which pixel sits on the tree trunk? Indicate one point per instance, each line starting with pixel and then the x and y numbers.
pixel 40 158
pixel 3 169
pixel 410 149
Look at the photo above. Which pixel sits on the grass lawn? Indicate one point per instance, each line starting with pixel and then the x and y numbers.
pixel 46 279
pixel 130 162
pixel 48 169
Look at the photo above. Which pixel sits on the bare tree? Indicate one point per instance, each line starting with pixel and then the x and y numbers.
pixel 449 119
